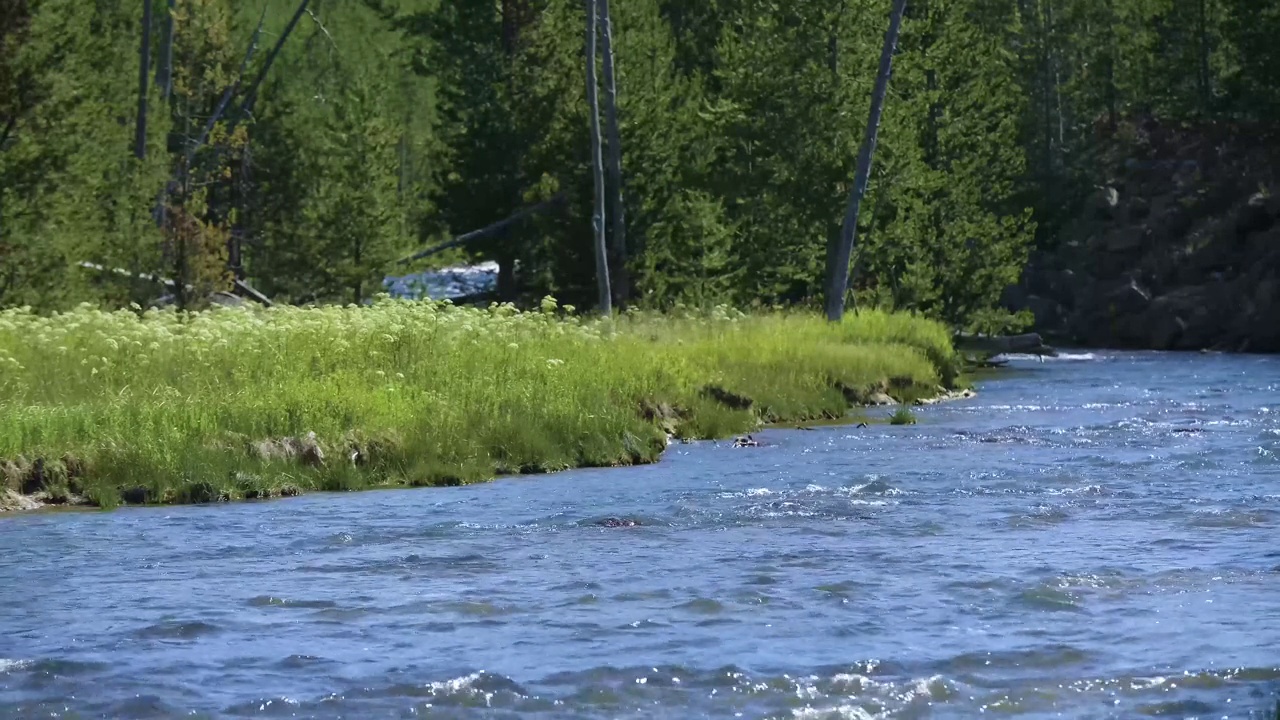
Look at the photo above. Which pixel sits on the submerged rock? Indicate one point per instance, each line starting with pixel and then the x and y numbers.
pixel 613 522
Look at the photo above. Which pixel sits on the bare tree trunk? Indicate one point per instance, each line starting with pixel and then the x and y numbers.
pixel 1113 114
pixel 164 68
pixel 251 95
pixel 621 275
pixel 1203 27
pixel 838 272
pixel 1057 81
pixel 516 16
pixel 597 164
pixel 144 70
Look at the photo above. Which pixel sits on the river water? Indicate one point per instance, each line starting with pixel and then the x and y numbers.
pixel 1090 537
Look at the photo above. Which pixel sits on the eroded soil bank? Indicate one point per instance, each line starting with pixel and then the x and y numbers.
pixel 289 466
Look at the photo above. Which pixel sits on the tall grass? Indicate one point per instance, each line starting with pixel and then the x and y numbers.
pixel 161 406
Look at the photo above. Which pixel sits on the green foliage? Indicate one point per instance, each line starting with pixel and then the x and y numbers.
pixel 197 406
pixel 384 125
pixel 902 416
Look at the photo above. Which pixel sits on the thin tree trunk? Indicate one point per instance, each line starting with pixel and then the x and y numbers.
pixel 621 276
pixel 251 95
pixel 164 68
pixel 838 272
pixel 1113 115
pixel 1203 22
pixel 144 71
pixel 1057 77
pixel 597 165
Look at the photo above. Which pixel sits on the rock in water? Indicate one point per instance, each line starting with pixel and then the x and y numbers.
pixel 614 522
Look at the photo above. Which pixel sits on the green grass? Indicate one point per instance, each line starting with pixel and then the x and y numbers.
pixel 902 416
pixel 168 407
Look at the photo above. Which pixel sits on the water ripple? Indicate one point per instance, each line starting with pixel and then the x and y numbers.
pixel 1092 538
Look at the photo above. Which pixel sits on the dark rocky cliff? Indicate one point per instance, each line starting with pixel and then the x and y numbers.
pixel 1178 248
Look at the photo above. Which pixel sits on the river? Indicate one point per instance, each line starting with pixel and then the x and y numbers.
pixel 1090 537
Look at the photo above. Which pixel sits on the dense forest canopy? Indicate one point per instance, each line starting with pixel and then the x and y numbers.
pixel 305 146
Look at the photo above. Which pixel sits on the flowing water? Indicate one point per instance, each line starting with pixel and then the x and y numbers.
pixel 1096 537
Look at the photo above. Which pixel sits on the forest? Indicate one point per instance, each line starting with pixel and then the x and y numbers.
pixel 303 149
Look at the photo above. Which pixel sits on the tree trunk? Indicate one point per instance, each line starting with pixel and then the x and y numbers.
pixel 597 165
pixel 620 274
pixel 1113 113
pixel 251 95
pixel 144 70
pixel 838 272
pixel 164 67
pixel 1203 27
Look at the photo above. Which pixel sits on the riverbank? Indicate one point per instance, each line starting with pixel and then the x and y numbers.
pixel 1178 247
pixel 104 409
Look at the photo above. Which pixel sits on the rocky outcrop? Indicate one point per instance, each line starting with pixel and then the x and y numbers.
pixel 1179 249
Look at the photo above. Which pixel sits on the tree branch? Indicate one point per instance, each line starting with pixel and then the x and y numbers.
pixel 484 232
pixel 230 91
pixel 9 126
pixel 247 106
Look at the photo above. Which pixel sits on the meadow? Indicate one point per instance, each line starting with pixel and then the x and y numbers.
pixel 103 408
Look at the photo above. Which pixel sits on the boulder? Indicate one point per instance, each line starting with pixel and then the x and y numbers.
pixel 880 398
pixel 1165 329
pixel 1105 202
pixel 1128 299
pixel 1047 312
pixel 11 501
pixel 1014 297
pixel 1186 319
pixel 1125 240
pixel 1139 209
pixel 1255 217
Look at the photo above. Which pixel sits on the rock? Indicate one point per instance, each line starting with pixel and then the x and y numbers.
pixel 1187 315
pixel 613 522
pixel 1014 297
pixel 1255 216
pixel 11 501
pixel 1128 299
pixel 1166 329
pixel 1105 202
pixel 310 451
pixel 664 415
pixel 34 479
pixel 728 398
pixel 1139 209
pixel 1125 240
pixel 1048 313
pixel 880 398
pixel 274 450
pixel 134 496
pixel 307 450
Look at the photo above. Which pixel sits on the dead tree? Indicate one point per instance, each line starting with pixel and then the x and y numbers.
pixel 620 275
pixel 144 70
pixel 164 66
pixel 597 164
pixel 838 270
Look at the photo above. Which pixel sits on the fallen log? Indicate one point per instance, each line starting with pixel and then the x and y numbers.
pixel 244 289
pixel 1025 344
pixel 487 231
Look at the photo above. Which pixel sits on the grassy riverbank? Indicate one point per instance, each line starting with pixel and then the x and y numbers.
pixel 105 408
